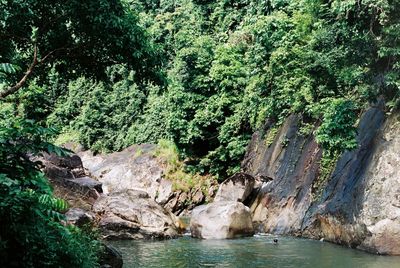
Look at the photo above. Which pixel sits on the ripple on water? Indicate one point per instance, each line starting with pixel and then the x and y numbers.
pixel 257 251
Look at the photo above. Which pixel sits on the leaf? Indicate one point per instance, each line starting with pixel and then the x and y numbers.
pixel 8 68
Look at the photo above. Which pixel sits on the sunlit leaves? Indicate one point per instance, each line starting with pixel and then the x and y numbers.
pixel 229 66
pixel 337 131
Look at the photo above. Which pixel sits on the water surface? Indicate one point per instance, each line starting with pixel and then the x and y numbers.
pixel 258 251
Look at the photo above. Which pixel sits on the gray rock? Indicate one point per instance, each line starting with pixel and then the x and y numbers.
pixel 138 168
pixel 211 191
pixel 134 168
pixel 287 171
pixel 110 257
pixel 71 162
pixel 236 188
pixel 221 220
pixel 85 186
pixel 358 206
pixel 79 217
pixel 172 204
pixel 197 196
pixel 380 210
pixel 114 227
pixel 164 192
pixel 133 214
pixel 56 173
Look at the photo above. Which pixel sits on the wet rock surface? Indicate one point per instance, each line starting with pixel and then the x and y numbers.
pixel 287 169
pixel 364 189
pixel 359 205
pixel 336 216
pixel 221 220
pixel 110 257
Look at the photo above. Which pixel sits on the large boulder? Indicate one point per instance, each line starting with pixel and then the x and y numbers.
pixel 70 180
pixel 236 188
pixel 221 220
pixel 72 161
pixel 132 214
pixel 55 173
pixel 135 168
pixel 140 167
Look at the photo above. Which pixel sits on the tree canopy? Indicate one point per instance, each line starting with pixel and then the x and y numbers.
pixel 201 74
pixel 72 36
pixel 204 74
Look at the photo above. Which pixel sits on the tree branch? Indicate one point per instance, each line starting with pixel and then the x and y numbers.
pixel 34 63
pixel 51 53
pixel 21 82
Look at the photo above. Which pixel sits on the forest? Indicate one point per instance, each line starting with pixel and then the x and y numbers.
pixel 202 74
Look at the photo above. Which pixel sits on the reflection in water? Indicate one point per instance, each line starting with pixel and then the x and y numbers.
pixel 258 251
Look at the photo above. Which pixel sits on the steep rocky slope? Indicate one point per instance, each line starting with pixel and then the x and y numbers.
pixel 357 206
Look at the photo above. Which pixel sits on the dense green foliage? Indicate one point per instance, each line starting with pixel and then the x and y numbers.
pixel 203 74
pixel 73 36
pixel 31 230
pixel 230 65
pixel 221 68
pixel 44 45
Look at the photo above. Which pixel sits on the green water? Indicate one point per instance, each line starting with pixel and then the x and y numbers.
pixel 258 251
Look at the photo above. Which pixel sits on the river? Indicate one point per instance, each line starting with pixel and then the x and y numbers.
pixel 257 251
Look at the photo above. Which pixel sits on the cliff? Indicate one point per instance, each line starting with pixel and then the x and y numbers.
pixel 359 203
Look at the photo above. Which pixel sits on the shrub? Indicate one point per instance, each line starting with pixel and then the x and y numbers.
pixel 32 229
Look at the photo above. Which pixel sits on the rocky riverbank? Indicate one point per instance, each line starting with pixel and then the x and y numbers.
pixel 280 191
pixel 124 194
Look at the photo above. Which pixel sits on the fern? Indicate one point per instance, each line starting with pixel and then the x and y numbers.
pixel 7 69
pixel 55 206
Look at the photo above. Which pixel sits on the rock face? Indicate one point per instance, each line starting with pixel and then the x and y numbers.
pixel 85 186
pixel 133 214
pixel 133 168
pixel 79 217
pixel 63 167
pixel 291 163
pixel 67 173
pixel 122 214
pixel 360 202
pixel 137 168
pixel 220 220
pixel 360 205
pixel 236 188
